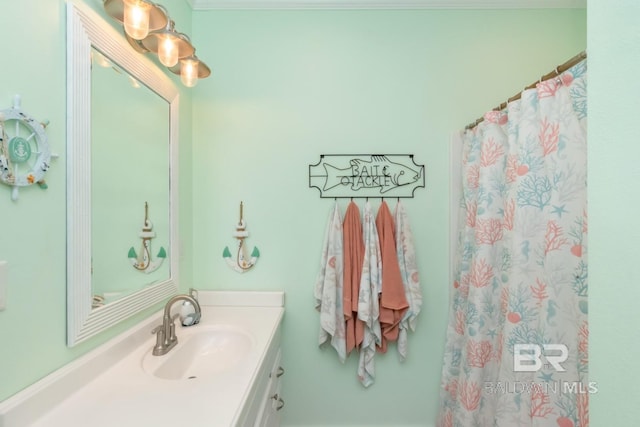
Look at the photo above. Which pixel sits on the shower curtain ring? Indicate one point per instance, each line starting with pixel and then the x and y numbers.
pixel 558 79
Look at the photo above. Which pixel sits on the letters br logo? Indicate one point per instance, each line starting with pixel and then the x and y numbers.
pixel 528 357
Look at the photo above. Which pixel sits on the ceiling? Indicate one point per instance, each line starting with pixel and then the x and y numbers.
pixel 386 4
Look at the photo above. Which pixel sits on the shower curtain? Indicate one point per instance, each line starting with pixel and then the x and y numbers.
pixel 516 344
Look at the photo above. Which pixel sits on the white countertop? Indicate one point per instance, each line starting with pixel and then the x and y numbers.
pixel 125 395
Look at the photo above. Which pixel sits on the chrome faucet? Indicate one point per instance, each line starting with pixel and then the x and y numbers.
pixel 166 337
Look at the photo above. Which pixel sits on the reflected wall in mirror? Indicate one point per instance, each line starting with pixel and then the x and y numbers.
pixel 104 198
pixel 129 169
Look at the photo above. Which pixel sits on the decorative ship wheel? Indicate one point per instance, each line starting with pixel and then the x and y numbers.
pixel 24 151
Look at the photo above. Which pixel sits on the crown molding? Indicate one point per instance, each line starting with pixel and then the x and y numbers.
pixel 386 4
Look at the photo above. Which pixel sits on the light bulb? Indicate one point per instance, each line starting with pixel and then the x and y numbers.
pixel 136 18
pixel 189 71
pixel 167 50
pixel 134 83
pixel 100 59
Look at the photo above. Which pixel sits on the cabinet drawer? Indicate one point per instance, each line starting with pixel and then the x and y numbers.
pixel 272 401
pixel 262 384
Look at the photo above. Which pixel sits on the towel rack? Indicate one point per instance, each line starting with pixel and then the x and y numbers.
pixel 366 175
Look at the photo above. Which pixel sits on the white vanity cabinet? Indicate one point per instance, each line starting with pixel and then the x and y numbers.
pixel 272 401
pixel 265 402
pixel 112 380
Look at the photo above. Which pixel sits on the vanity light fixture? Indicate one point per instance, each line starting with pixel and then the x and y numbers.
pixel 174 49
pixel 191 69
pixel 168 44
pixel 138 17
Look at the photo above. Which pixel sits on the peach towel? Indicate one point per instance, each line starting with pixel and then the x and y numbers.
pixel 353 245
pixel 393 302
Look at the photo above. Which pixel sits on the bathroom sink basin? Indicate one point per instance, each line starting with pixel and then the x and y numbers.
pixel 201 351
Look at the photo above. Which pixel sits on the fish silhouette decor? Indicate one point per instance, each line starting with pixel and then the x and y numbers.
pixel 366 175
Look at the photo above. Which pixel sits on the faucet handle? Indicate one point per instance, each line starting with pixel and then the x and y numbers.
pixel 172 329
pixel 161 346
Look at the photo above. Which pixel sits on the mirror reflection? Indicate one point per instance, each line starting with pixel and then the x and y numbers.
pixel 129 183
pixel 122 147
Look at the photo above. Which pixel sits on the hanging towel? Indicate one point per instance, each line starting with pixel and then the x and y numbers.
pixel 353 257
pixel 393 303
pixel 328 289
pixel 370 287
pixel 410 279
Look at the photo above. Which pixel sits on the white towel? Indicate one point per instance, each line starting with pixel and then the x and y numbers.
pixel 370 288
pixel 409 269
pixel 329 285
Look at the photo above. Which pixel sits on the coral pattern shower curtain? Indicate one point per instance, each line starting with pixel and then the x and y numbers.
pixel 516 348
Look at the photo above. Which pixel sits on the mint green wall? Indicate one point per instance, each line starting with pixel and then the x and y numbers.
pixel 32 235
pixel 614 67
pixel 288 86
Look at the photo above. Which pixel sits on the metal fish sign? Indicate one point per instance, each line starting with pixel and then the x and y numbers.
pixel 374 175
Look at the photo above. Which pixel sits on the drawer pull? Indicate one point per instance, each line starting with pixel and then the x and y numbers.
pixel 279 373
pixel 279 400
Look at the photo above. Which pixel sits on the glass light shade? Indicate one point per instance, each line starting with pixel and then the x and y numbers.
pixel 189 71
pixel 167 50
pixel 202 72
pixel 136 18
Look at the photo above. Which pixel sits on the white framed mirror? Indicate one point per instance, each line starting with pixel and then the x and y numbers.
pixel 88 33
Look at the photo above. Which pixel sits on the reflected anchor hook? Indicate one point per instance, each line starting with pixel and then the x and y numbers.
pixel 143 261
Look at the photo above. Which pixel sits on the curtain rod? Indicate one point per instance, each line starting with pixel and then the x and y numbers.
pixel 559 70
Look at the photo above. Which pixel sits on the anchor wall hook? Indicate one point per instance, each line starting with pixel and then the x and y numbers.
pixel 143 261
pixel 242 261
